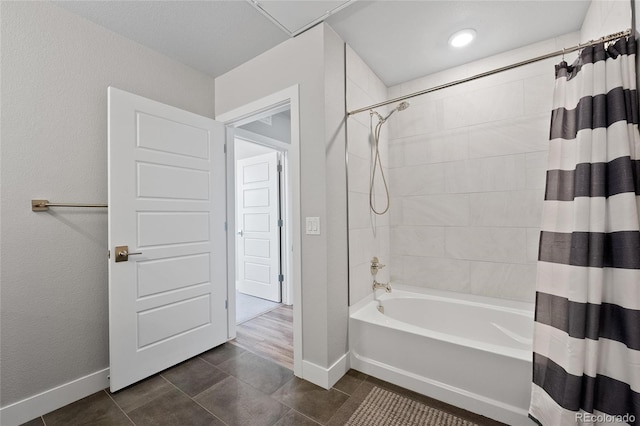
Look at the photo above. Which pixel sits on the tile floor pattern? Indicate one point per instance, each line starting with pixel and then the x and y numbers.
pixel 230 386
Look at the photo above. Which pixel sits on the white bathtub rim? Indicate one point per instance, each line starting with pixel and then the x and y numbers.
pixel 361 304
pixel 471 401
pixel 495 301
pixel 425 291
pixel 370 314
pixel 519 308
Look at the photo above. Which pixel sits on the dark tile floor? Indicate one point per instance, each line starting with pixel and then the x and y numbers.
pixel 230 386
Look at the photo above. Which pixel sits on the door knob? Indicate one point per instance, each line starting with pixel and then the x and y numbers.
pixel 240 232
pixel 122 253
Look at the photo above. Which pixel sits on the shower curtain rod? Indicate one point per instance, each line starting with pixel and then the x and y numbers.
pixel 494 71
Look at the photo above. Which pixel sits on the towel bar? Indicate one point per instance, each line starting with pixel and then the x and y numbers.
pixel 43 205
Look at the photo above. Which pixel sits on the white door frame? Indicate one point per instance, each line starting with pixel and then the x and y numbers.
pixel 284 99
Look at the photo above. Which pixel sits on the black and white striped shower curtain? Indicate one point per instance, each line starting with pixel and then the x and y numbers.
pixel 586 361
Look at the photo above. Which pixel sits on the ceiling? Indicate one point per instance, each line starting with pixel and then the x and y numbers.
pixel 399 40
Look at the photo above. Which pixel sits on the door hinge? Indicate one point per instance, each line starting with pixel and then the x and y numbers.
pixel 225 148
pixel 280 222
pixel 225 227
pixel 280 278
pixel 279 167
pixel 226 304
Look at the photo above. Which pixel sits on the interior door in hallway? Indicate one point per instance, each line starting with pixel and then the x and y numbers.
pixel 259 225
pixel 167 287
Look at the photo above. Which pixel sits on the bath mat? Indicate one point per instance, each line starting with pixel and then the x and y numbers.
pixel 384 408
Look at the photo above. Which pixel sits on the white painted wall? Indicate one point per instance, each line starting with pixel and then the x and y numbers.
pixel 311 60
pixel 55 71
pixel 368 233
pixel 467 173
pixel 244 149
pixel 605 17
pixel 610 16
pixel 279 129
pixel 336 198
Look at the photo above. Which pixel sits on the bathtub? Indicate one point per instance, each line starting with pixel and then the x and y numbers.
pixel 471 352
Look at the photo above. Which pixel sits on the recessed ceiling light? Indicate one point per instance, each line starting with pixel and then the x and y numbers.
pixel 462 37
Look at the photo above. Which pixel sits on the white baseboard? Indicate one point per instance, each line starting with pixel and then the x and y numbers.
pixel 52 399
pixel 325 377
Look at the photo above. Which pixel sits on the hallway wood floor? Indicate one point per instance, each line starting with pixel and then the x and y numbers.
pixel 270 335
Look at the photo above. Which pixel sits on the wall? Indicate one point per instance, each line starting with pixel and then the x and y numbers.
pixel 605 17
pixel 336 197
pixel 467 167
pixel 55 71
pixel 467 174
pixel 368 233
pixel 244 149
pixel 313 60
pixel 611 16
pixel 279 129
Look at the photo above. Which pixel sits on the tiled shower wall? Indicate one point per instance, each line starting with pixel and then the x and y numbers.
pixel 467 173
pixel 368 234
pixel 466 167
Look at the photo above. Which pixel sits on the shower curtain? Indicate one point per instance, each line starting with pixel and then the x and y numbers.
pixel 586 361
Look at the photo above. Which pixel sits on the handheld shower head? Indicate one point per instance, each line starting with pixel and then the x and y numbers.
pixel 376 161
pixel 401 107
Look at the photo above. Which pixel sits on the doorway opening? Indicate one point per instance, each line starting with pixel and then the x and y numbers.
pixel 259 227
pixel 264 315
pixel 263 213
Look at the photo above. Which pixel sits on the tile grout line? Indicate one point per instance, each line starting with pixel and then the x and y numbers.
pixel 213 365
pixel 119 407
pixel 248 384
pixel 342 392
pixel 357 387
pixel 272 317
pixel 347 400
pixel 192 399
pixel 242 381
pixel 209 388
pixel 249 349
pixel 303 415
pixel 281 401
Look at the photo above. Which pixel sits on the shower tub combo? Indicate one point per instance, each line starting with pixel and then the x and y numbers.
pixel 471 352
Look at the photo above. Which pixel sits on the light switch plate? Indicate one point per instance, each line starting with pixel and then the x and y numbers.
pixel 313 226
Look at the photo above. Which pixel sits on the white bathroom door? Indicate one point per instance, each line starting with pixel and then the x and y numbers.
pixel 167 301
pixel 259 226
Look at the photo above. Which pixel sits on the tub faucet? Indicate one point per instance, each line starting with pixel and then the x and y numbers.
pixel 385 286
